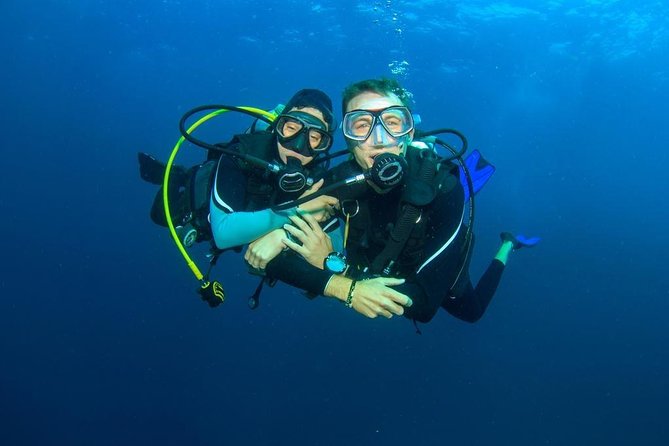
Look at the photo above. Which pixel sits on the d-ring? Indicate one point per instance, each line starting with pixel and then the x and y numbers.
pixel 357 208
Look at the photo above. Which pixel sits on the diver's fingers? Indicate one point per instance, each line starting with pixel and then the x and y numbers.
pixel 395 295
pixel 250 258
pixel 301 223
pixel 372 309
pixel 391 281
pixel 311 220
pixel 314 187
pixel 248 255
pixel 297 232
pixel 330 200
pixel 296 247
pixel 381 311
pixel 392 307
pixel 398 298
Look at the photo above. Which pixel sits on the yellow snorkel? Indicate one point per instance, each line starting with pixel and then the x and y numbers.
pixel 212 292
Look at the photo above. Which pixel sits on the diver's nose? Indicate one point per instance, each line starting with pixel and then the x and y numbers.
pixel 380 135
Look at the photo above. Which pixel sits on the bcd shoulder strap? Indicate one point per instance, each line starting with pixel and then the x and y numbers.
pixel 420 189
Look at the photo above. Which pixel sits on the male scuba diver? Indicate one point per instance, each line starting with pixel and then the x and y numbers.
pixel 408 232
pixel 227 199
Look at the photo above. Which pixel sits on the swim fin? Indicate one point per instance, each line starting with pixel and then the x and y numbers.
pixel 519 241
pixel 480 171
pixel 150 169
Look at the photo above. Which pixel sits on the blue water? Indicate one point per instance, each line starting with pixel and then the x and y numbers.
pixel 104 342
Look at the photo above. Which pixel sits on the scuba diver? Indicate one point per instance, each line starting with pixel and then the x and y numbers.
pixel 408 218
pixel 227 199
pixel 240 207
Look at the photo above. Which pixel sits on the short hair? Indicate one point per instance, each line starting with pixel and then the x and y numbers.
pixel 382 86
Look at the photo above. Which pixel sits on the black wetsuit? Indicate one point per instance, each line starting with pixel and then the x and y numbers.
pixel 434 260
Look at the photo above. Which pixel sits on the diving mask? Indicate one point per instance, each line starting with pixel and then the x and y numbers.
pixel 358 125
pixel 303 133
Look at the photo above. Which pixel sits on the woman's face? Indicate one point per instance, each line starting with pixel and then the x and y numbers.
pixel 379 140
pixel 285 152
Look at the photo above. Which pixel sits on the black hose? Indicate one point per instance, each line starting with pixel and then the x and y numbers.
pixel 189 113
pixel 219 147
pixel 429 136
pixel 293 203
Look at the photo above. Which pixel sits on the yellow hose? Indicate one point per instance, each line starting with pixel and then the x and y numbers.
pixel 166 180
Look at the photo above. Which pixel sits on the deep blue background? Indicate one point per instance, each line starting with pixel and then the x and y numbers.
pixel 103 341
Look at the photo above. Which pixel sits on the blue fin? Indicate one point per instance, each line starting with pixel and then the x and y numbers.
pixel 519 240
pixel 479 169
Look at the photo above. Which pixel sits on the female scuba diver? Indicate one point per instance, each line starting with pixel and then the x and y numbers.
pixel 242 195
pixel 226 199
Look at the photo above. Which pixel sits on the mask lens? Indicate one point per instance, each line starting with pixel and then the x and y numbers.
pixel 319 140
pixel 291 125
pixel 397 120
pixel 359 124
pixel 288 127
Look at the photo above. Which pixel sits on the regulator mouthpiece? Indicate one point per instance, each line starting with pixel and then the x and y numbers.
pixel 292 177
pixel 388 170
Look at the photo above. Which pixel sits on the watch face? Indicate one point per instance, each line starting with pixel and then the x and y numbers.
pixel 335 263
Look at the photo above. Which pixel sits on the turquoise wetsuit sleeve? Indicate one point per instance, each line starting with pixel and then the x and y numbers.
pixel 239 228
pixel 230 224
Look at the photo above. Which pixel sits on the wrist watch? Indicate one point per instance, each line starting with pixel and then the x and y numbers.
pixel 335 262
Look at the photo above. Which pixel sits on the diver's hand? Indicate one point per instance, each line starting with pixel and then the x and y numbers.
pixel 261 251
pixel 371 297
pixel 322 207
pixel 315 243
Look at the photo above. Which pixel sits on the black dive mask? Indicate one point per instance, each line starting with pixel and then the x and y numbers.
pixel 291 177
pixel 387 171
pixel 298 143
pixel 302 133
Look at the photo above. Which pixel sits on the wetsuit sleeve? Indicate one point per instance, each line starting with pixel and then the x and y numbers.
pixel 442 259
pixel 230 226
pixel 292 269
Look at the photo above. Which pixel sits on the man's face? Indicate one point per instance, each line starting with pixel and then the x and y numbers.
pixel 379 141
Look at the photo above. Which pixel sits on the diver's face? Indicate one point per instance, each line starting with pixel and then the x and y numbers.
pixel 285 152
pixel 379 141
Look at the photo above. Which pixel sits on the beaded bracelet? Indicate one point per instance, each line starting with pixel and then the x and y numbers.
pixel 349 298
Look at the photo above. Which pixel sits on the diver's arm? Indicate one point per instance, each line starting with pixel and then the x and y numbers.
pixel 372 298
pixel 240 228
pixel 306 237
pixel 229 226
pixel 293 270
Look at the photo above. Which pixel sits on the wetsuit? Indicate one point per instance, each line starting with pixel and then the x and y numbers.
pixel 237 216
pixel 434 260
pixel 242 196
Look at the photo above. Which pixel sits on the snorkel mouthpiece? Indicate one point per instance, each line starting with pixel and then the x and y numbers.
pixel 387 170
